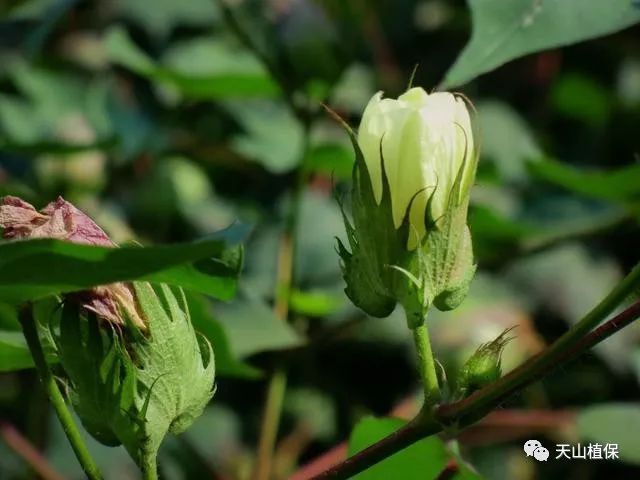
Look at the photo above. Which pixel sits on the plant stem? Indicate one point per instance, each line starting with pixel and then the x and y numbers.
pixel 465 412
pixel 426 365
pixel 284 282
pixel 410 433
pixel 270 422
pixel 49 383
pixel 277 382
pixel 150 468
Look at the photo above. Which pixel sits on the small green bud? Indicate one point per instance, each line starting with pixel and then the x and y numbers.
pixel 483 367
pixel 415 164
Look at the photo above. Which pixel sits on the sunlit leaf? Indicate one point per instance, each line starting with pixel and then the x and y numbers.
pixel 503 30
pixel 272 135
pixel 34 269
pixel 507 140
pixel 234 81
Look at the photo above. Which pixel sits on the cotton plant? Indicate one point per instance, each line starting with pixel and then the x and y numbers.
pixel 134 368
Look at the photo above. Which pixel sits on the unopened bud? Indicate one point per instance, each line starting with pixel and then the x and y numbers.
pixel 415 164
pixel 484 366
pixel 61 220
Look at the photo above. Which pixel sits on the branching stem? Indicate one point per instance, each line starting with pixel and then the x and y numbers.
pixel 581 337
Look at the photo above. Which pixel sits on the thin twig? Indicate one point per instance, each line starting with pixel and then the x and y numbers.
pixel 284 281
pixel 30 454
pixel 421 426
pixel 485 400
pixel 449 471
pixel 55 397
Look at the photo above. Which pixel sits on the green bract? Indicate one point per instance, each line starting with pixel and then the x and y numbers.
pixel 415 164
pixel 130 387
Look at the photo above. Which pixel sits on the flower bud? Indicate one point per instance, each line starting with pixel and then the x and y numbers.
pixel 415 164
pixel 483 367
pixel 61 220
pixel 423 142
pixel 135 365
pixel 134 389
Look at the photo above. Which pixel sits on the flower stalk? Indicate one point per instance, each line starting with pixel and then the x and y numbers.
pixel 426 365
pixel 30 331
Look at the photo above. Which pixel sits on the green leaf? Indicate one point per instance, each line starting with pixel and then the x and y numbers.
pixel 165 15
pixel 424 460
pixel 331 159
pixel 252 327
pixel 33 269
pixel 272 135
pixel 14 353
pixel 613 423
pixel 9 318
pixel 71 121
pixel 503 30
pixel 622 184
pixel 581 97
pixel 506 140
pixel 495 234
pixel 205 323
pixel 242 79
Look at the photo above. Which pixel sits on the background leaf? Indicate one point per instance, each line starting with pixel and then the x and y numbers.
pixel 228 74
pixel 613 423
pixel 204 322
pixel 424 460
pixel 14 353
pixel 252 327
pixel 503 31
pixel 621 184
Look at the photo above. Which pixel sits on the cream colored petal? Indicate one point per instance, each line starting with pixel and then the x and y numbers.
pixel 439 115
pixel 466 145
pixel 415 97
pixel 403 155
pixel 372 126
pixel 439 108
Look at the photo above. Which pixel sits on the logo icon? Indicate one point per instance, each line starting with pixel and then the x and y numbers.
pixel 530 447
pixel 533 448
pixel 541 454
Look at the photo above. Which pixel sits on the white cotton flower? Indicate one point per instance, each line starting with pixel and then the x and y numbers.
pixel 425 141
